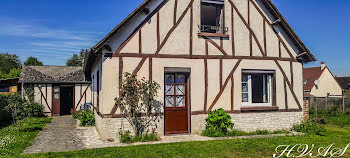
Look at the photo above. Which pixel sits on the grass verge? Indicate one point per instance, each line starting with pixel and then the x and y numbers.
pixel 16 137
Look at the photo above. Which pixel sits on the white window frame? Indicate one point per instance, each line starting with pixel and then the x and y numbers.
pixel 270 84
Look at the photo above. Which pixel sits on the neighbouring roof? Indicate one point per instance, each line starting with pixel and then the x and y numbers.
pixel 268 4
pixel 52 74
pixel 9 81
pixel 308 95
pixel 310 76
pixel 344 82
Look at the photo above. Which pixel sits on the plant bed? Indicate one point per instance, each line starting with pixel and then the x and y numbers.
pixel 126 137
pixel 86 117
pixel 233 133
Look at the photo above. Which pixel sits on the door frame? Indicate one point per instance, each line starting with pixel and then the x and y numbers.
pixel 56 102
pixel 73 95
pixel 187 72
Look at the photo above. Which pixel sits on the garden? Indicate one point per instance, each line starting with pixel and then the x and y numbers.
pixel 26 121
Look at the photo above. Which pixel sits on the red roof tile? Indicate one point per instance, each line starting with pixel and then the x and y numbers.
pixel 311 74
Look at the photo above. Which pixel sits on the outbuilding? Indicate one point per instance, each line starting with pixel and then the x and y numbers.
pixel 60 89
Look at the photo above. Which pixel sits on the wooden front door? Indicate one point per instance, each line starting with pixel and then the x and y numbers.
pixel 56 100
pixel 176 103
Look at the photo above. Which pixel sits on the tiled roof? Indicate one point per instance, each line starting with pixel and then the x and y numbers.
pixel 310 76
pixel 344 82
pixel 52 74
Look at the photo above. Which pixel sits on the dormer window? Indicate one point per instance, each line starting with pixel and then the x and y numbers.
pixel 212 17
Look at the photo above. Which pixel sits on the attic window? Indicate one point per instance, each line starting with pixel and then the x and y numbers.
pixel 306 81
pixel 212 17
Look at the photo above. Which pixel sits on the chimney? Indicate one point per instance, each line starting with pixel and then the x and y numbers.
pixel 323 65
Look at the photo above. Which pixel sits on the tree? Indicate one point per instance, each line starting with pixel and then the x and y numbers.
pixel 77 60
pixel 14 73
pixel 9 62
pixel 138 103
pixel 33 61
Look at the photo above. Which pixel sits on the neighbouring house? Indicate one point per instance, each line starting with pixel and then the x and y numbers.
pixel 8 86
pixel 345 84
pixel 239 55
pixel 60 89
pixel 320 82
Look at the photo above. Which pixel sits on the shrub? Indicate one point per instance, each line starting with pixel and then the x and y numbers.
pixel 126 137
pixel 218 121
pixel 20 108
pixel 86 117
pixel 320 120
pixel 310 127
pixel 138 103
pixel 76 114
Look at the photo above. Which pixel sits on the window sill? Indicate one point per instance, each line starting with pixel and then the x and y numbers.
pixel 206 34
pixel 259 108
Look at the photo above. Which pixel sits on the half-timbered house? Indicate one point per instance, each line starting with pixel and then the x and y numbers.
pixel 60 89
pixel 239 55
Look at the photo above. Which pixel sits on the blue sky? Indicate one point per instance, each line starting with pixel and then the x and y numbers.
pixel 53 30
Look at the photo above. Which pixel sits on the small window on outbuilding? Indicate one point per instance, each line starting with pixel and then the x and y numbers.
pixel 212 16
pixel 4 88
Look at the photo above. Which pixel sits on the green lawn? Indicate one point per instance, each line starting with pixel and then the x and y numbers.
pixel 220 148
pixel 16 137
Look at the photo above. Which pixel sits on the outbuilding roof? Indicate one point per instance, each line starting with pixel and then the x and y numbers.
pixel 344 82
pixel 52 74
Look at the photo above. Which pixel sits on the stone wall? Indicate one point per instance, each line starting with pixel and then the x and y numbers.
pixel 109 127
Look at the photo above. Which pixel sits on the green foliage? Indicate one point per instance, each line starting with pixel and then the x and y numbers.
pixel 9 62
pixel 138 99
pixel 218 121
pixel 33 61
pixel 126 137
pixel 76 60
pixel 20 108
pixel 14 73
pixel 16 137
pixel 339 118
pixel 310 127
pixel 86 117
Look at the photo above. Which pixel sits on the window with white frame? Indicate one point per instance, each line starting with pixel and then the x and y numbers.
pixel 257 87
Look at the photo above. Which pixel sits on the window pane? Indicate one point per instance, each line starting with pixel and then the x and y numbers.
pixel 245 87
pixel 169 101
pixel 180 89
pixel 180 101
pixel 180 78
pixel 244 78
pixel 169 89
pixel 4 89
pixel 169 78
pixel 245 97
